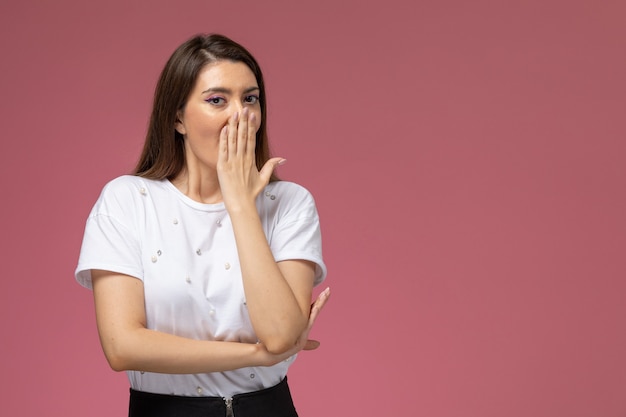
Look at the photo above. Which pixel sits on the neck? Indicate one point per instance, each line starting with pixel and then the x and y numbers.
pixel 199 185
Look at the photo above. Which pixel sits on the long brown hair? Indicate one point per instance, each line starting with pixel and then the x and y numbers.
pixel 163 154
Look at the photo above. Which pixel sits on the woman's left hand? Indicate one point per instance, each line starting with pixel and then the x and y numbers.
pixel 240 180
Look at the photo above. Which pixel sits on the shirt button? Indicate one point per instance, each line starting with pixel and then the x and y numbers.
pixel 219 223
pixel 227 266
pixel 212 313
pixel 142 191
pixel 188 279
pixel 199 389
pixel 154 259
pixel 199 252
pixel 175 221
pixel 252 376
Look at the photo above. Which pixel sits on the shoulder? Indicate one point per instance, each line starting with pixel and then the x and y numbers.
pixel 127 183
pixel 288 190
pixel 288 199
pixel 122 192
pixel 130 185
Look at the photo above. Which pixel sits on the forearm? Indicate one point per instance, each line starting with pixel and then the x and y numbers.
pixel 276 314
pixel 151 351
pixel 129 345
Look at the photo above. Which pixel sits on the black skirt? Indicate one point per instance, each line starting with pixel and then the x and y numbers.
pixel 270 402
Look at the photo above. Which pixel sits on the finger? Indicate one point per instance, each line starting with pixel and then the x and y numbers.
pixel 242 132
pixel 223 145
pixel 232 135
pixel 311 345
pixel 318 305
pixel 269 167
pixel 321 300
pixel 251 143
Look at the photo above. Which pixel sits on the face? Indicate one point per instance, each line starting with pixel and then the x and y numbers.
pixel 222 88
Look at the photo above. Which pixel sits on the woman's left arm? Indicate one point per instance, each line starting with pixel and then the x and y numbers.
pixel 278 295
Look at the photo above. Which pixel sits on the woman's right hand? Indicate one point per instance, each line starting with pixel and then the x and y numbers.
pixel 303 342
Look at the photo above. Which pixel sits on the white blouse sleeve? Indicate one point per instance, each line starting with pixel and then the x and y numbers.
pixel 297 233
pixel 110 241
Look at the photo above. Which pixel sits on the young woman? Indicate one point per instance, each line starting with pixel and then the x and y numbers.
pixel 202 263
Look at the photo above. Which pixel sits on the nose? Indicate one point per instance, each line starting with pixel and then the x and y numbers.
pixel 237 107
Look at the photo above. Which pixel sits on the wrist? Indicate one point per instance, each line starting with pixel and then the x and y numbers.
pixel 240 206
pixel 261 355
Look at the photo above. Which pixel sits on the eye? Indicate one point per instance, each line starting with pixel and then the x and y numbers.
pixel 251 99
pixel 216 100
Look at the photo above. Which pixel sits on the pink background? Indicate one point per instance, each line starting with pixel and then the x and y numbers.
pixel 467 158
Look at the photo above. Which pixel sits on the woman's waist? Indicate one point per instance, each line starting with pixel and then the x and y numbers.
pixel 215 384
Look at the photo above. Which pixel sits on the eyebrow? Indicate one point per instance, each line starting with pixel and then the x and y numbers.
pixel 228 91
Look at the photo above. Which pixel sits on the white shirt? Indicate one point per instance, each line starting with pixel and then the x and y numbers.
pixel 185 254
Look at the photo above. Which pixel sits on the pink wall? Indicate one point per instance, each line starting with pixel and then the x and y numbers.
pixel 467 158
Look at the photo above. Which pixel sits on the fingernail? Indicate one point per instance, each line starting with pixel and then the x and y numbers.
pixel 282 162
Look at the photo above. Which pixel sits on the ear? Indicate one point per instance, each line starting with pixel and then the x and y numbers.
pixel 179 126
